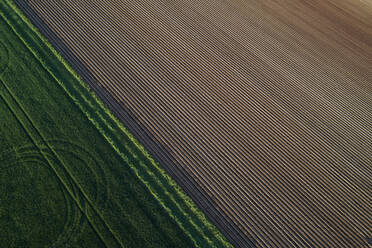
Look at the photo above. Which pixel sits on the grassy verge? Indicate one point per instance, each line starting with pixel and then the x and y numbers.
pixel 118 189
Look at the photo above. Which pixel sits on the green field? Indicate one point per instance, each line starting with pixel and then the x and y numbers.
pixel 70 174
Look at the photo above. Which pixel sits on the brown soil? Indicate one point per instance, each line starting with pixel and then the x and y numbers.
pixel 260 110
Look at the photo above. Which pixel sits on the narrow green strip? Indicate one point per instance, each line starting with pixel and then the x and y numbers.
pixel 168 194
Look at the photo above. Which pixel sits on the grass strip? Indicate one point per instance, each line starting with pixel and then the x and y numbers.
pixel 181 209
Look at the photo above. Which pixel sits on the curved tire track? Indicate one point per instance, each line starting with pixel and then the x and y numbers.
pixel 74 220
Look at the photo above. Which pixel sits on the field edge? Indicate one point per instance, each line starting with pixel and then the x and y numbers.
pixel 111 129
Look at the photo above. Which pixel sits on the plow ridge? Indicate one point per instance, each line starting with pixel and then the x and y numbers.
pixel 264 121
pixel 167 193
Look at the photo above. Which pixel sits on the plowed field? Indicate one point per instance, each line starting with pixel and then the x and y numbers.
pixel 70 174
pixel 260 110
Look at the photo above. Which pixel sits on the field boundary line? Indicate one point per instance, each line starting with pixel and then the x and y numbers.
pixel 113 136
pixel 97 125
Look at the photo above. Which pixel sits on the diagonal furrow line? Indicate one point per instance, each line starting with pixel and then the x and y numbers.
pixel 109 139
pixel 310 223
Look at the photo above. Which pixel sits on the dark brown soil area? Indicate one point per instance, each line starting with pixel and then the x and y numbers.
pixel 260 110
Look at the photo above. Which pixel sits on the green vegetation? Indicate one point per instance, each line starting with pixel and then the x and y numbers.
pixel 70 174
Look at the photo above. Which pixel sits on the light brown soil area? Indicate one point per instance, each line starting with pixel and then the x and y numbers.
pixel 260 110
